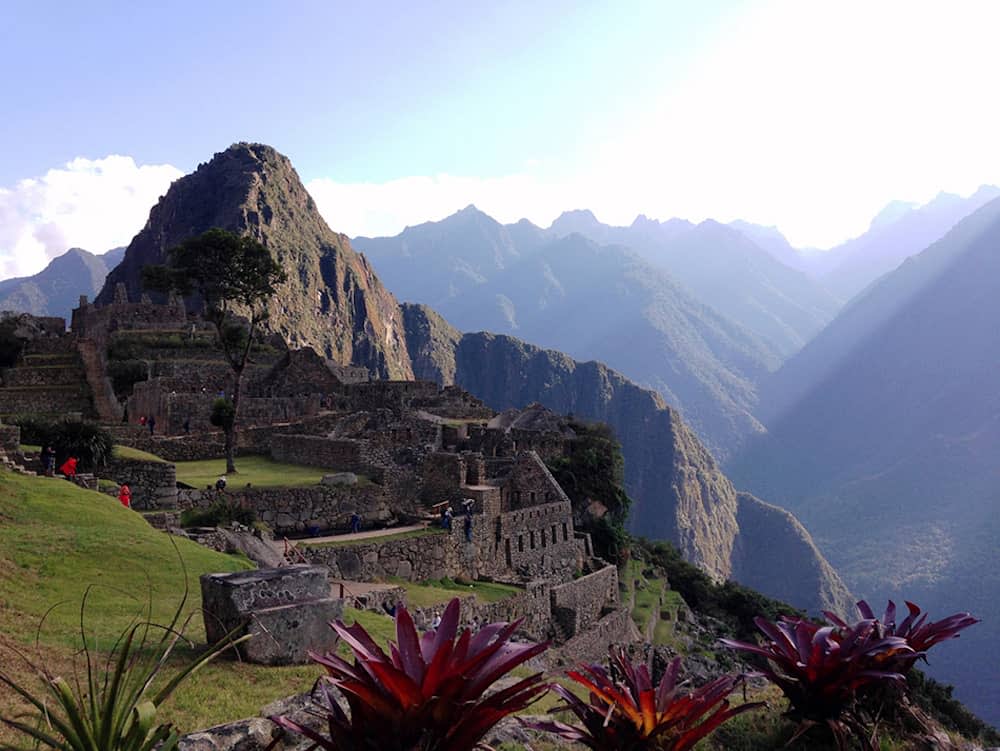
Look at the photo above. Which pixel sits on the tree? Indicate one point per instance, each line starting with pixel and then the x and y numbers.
pixel 594 470
pixel 234 276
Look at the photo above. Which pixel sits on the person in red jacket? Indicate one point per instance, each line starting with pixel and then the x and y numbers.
pixel 69 468
pixel 125 495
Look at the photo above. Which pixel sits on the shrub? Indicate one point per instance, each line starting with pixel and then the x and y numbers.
pixel 219 514
pixel 737 606
pixel 633 716
pixel 88 442
pixel 428 694
pixel 125 374
pixel 223 414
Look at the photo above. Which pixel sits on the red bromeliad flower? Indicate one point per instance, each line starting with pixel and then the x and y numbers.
pixel 821 668
pixel 919 635
pixel 633 715
pixel 428 694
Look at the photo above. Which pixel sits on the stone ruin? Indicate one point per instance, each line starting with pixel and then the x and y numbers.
pixel 287 612
pixel 412 444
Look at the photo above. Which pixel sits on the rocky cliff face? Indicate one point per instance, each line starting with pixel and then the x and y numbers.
pixel 678 490
pixel 332 300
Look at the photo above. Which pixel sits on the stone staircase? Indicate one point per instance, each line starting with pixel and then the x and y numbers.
pixel 11 465
pixel 95 369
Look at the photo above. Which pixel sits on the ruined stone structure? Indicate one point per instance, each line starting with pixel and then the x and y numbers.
pixel 414 446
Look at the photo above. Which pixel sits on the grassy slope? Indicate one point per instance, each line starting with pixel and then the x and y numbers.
pixel 260 471
pixel 57 539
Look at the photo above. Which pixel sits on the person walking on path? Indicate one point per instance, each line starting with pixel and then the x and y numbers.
pixel 151 422
pixel 355 523
pixel 69 468
pixel 125 495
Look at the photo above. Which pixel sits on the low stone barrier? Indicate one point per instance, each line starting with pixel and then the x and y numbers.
pixel 153 484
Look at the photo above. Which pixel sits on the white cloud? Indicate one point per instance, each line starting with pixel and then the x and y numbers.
pixel 95 204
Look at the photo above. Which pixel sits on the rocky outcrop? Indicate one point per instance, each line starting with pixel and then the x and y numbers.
pixel 769 540
pixel 332 300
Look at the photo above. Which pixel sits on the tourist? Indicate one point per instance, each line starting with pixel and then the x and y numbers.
pixel 151 422
pixel 446 520
pixel 468 527
pixel 68 469
pixel 355 523
pixel 142 421
pixel 48 460
pixel 187 426
pixel 220 484
pixel 125 495
pixel 436 623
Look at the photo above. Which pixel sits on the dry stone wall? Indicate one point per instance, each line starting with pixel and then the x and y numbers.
pixel 153 484
pixel 579 604
pixel 317 508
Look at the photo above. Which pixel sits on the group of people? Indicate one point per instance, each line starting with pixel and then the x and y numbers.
pixel 447 518
pixel 148 422
pixel 68 469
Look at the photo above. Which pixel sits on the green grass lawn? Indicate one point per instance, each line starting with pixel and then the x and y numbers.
pixel 259 471
pixel 440 591
pixel 127 452
pixel 57 540
pixel 368 540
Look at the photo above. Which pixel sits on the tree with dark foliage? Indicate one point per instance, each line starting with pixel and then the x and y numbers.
pixel 234 277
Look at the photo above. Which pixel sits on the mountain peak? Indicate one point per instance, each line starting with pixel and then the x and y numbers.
pixel 331 301
pixel 643 221
pixel 892 212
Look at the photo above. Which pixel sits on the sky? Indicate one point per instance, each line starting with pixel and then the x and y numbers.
pixel 809 116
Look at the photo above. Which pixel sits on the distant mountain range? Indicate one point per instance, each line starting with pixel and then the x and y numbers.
pixel 56 289
pixel 899 231
pixel 884 435
pixel 725 269
pixel 591 301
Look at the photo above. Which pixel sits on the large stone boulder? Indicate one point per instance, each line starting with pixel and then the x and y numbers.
pixel 286 610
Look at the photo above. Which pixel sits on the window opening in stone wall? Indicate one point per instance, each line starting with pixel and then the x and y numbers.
pixel 510 562
pixel 554 537
pixel 565 532
pixel 543 538
pixel 532 540
pixel 520 543
pixel 532 496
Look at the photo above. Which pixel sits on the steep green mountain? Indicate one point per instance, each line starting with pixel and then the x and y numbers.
pixel 590 301
pixel 56 289
pixel 899 231
pixel 332 301
pixel 883 436
pixel 726 270
pixel 678 490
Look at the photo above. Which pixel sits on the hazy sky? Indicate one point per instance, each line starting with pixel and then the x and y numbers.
pixel 807 115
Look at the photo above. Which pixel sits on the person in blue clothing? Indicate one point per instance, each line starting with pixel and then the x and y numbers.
pixel 355 523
